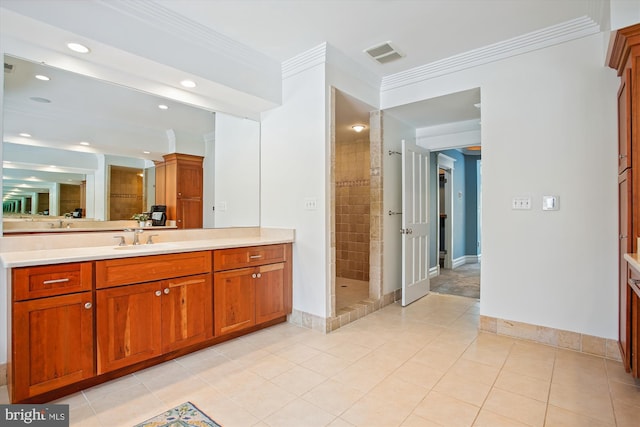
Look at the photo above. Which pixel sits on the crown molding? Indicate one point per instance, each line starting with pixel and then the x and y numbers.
pixel 304 61
pixel 170 22
pixel 556 34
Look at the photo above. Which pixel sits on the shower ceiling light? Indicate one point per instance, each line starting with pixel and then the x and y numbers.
pixel 358 128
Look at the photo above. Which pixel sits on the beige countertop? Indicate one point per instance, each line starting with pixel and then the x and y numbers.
pixel 633 260
pixel 12 255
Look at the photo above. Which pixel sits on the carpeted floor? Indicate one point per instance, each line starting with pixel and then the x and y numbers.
pixel 462 281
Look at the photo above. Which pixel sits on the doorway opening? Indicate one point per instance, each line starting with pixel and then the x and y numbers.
pixel 352 201
pixel 459 227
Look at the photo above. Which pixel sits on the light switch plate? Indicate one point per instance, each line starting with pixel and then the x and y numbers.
pixel 310 204
pixel 550 203
pixel 520 203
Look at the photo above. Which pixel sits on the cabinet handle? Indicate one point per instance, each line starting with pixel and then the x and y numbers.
pixel 622 156
pixel 158 293
pixel 259 275
pixel 87 305
pixel 255 256
pixel 49 282
pixel 166 291
pixel 254 275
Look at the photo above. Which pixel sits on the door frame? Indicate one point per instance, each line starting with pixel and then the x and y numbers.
pixel 447 164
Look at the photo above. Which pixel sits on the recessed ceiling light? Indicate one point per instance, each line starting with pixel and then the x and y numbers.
pixel 478 105
pixel 188 83
pixel 42 77
pixel 26 135
pixel 163 107
pixel 147 152
pixel 84 143
pixel 358 128
pixel 77 47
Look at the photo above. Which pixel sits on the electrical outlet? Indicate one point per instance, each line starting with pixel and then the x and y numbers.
pixel 520 203
pixel 310 204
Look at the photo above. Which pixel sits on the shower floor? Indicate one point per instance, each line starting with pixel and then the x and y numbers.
pixel 350 291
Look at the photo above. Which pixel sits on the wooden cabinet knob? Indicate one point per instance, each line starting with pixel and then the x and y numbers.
pixel 88 305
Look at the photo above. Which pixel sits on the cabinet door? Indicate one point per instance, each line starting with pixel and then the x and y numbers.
pixel 128 325
pixel 189 213
pixel 624 229
pixel 187 311
pixel 234 300
pixel 269 284
pixel 624 124
pixel 52 343
pixel 189 180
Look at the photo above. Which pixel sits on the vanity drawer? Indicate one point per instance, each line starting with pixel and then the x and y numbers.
pixel 125 271
pixel 228 259
pixel 50 280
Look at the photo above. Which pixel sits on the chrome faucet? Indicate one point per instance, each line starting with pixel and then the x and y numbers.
pixel 136 233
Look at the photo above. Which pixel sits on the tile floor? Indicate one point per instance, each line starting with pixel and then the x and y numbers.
pixel 463 281
pixel 350 291
pixel 424 365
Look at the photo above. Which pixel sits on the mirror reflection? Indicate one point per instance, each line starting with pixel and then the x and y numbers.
pixel 79 148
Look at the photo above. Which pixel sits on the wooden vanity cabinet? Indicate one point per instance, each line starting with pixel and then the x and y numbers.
pixel 252 286
pixel 624 57
pixel 139 321
pixel 183 185
pixel 52 328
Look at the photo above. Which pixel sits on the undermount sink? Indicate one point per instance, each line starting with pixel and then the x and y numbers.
pixel 144 246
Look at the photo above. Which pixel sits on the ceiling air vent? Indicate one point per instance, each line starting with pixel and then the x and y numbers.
pixel 384 53
pixel 8 68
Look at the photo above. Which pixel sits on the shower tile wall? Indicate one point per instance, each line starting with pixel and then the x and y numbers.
pixel 352 209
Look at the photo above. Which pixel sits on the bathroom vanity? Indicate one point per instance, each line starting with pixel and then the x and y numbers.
pixel 80 316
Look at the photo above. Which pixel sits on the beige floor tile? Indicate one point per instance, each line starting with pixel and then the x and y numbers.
pixel 380 361
pixel 236 382
pixel 263 400
pixel 464 389
pixel 339 422
pixel 75 400
pixel 299 380
pixel 374 412
pixel 326 364
pixel 475 371
pixel 227 413
pixel 299 413
pixel 131 406
pixel 447 411
pixel 616 372
pixel 271 366
pixel 83 416
pixel 626 415
pixel 516 407
pixel 559 417
pixel 625 393
pixel 98 392
pixel 593 403
pixel 488 418
pixel 523 385
pixel 414 420
pixel 419 374
pixel 487 352
pixel 333 396
pixel 395 390
pixel 361 377
pixel 530 366
pixel 298 352
pixel 441 361
pixel 349 351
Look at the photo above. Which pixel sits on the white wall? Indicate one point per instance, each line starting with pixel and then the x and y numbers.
pixel 548 127
pixel 624 13
pixel 237 171
pixel 293 167
pixel 393 132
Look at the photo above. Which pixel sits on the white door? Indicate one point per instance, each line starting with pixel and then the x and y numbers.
pixel 415 242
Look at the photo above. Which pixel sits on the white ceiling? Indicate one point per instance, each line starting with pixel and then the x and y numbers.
pixel 125 33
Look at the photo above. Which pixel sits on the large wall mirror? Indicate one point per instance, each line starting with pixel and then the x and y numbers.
pixel 71 141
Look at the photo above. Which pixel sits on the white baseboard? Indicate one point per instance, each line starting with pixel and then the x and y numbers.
pixel 434 272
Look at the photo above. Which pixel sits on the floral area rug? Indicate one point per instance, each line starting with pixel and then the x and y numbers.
pixel 184 415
